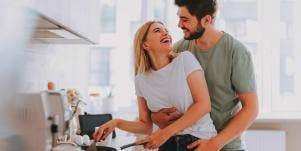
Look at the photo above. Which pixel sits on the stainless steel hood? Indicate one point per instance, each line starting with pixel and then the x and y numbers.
pixel 49 31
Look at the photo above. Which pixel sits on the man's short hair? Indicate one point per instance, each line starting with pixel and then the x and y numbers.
pixel 199 8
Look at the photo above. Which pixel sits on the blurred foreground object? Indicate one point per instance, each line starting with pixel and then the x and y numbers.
pixel 16 25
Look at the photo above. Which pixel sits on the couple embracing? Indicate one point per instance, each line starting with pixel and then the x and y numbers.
pixel 201 91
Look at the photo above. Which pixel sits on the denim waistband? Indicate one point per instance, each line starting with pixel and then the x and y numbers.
pixel 178 143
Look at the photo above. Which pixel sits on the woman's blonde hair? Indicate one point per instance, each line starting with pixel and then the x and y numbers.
pixel 141 58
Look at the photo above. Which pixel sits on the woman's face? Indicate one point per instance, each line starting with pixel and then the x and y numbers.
pixel 158 38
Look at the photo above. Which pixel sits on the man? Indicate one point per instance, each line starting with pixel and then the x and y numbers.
pixel 229 73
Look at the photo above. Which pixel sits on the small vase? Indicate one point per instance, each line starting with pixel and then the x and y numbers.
pixel 73 126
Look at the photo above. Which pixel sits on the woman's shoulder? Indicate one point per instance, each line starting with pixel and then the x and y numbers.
pixel 141 76
pixel 184 57
pixel 138 77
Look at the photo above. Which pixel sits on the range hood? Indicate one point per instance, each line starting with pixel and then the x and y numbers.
pixel 49 31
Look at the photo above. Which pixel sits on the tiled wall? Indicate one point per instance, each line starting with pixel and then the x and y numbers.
pixel 65 65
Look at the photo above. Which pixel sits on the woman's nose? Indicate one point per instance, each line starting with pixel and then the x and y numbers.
pixel 165 32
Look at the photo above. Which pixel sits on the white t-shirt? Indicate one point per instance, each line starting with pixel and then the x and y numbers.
pixel 168 87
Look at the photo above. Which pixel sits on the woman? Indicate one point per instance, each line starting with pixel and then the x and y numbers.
pixel 163 80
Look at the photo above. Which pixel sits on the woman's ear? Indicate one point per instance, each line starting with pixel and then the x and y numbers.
pixel 145 46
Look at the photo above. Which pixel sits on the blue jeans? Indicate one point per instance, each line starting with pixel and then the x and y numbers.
pixel 178 143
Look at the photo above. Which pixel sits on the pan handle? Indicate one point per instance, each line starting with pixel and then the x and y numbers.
pixel 126 146
pixel 130 145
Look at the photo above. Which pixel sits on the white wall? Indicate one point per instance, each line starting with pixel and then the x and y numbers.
pixel 65 65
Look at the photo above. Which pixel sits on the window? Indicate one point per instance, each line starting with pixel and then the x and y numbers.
pixel 287 80
pixel 287 59
pixel 108 16
pixel 160 10
pixel 100 67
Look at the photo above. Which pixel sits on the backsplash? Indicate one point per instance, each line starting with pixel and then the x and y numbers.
pixel 65 65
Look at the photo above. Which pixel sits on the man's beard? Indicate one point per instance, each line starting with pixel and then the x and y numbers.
pixel 197 34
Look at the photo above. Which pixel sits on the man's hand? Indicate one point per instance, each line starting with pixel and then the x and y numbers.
pixel 165 116
pixel 207 145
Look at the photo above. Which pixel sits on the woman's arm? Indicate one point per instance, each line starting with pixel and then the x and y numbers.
pixel 201 106
pixel 143 125
pixel 201 103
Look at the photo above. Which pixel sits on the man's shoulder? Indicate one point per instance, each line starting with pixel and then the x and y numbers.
pixel 182 45
pixel 235 45
pixel 238 45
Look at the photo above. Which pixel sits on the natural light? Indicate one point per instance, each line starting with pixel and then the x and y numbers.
pixel 268 28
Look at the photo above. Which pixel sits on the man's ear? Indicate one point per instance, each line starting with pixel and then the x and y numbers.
pixel 206 20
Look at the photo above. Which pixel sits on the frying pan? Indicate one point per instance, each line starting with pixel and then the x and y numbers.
pixel 100 148
pixel 105 148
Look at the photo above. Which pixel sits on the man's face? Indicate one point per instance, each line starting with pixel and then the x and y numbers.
pixel 190 25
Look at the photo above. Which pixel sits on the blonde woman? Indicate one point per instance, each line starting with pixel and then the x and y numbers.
pixel 163 80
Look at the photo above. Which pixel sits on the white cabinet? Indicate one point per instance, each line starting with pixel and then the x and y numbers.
pixel 262 140
pixel 79 16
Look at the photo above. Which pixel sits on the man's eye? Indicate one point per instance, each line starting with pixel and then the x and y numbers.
pixel 185 19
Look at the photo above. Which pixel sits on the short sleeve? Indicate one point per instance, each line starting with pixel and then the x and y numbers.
pixel 190 63
pixel 243 78
pixel 137 88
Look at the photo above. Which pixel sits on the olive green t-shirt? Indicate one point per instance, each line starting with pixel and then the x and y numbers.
pixel 228 71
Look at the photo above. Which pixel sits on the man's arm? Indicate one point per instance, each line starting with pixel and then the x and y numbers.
pixel 240 122
pixel 164 117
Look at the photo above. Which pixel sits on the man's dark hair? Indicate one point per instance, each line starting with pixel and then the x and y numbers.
pixel 199 8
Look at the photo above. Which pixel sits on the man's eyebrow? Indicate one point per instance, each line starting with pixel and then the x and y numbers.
pixel 184 17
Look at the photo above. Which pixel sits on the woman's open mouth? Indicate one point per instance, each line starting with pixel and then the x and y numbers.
pixel 165 40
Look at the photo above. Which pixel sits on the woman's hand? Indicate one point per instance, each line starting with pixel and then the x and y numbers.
pixel 155 140
pixel 104 130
